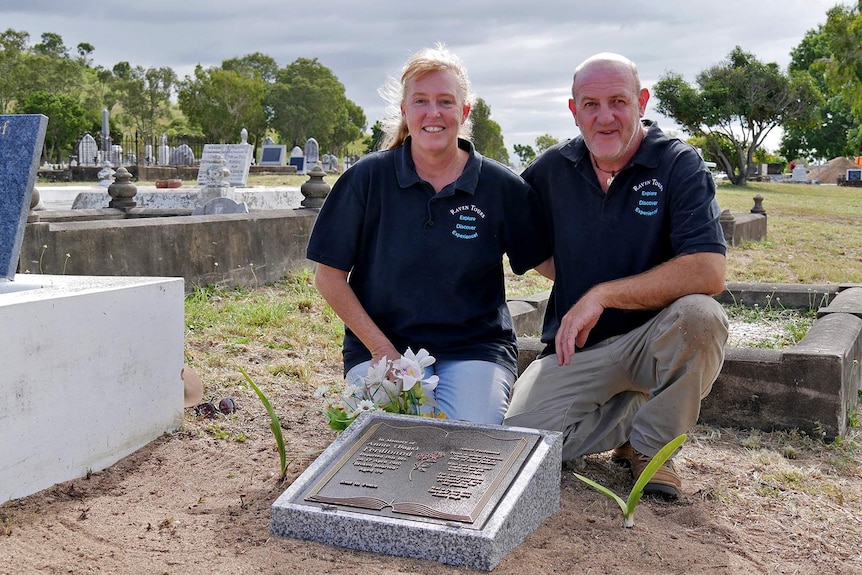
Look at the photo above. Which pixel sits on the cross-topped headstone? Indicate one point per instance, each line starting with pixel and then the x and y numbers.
pixel 21 139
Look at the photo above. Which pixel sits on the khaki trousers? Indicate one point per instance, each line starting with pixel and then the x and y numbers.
pixel 644 386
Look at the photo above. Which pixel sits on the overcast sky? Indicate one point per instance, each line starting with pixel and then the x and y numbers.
pixel 520 54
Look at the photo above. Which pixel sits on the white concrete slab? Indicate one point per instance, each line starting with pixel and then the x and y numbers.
pixel 91 373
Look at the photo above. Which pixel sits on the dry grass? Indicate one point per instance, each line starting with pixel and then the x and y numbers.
pixel 814 234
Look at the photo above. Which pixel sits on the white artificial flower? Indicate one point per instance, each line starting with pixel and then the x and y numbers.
pixel 411 369
pixel 351 390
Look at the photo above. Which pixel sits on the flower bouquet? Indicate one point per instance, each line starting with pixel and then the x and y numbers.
pixel 394 386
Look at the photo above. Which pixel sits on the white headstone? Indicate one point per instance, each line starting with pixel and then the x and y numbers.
pixel 237 157
pixel 164 152
pixel 273 155
pixel 297 158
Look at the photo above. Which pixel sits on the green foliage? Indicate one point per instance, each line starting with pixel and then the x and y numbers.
pixel 737 102
pixel 257 64
pixel 301 100
pixel 274 423
pixel 843 31
pixel 67 119
pixel 487 135
pixel 832 134
pixel 223 102
pixel 376 137
pixel 308 101
pixel 525 153
pixel 544 142
pixel 628 506
pixel 13 71
pixel 144 96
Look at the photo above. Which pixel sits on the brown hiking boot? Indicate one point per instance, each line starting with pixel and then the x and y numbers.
pixel 665 483
pixel 623 455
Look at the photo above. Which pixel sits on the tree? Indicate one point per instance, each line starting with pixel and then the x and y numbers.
pixel 830 135
pixel 308 101
pixel 376 137
pixel 51 45
pixel 526 153
pixel 348 126
pixel 250 64
pixel 13 71
pixel 67 119
pixel 487 135
pixel 738 102
pixel 143 96
pixel 223 102
pixel 843 69
pixel 544 142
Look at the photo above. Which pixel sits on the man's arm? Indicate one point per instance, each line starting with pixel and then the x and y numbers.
pixel 699 273
pixel 332 285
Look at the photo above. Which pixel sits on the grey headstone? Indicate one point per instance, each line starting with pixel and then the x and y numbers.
pixel 21 139
pixel 454 492
pixel 88 151
pixel 220 206
pixel 182 155
pixel 312 152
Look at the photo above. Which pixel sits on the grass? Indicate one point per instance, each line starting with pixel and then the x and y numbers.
pixel 814 234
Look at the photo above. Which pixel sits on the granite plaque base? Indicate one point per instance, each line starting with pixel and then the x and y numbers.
pixel 454 492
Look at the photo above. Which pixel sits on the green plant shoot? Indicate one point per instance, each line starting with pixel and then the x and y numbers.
pixel 628 506
pixel 274 423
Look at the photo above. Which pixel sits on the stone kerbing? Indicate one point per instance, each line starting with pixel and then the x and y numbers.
pixel 812 386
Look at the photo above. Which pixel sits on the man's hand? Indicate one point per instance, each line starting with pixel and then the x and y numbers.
pixel 576 325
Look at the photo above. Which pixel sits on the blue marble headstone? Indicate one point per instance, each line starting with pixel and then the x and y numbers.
pixel 21 139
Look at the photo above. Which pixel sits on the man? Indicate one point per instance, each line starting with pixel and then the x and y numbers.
pixel 633 339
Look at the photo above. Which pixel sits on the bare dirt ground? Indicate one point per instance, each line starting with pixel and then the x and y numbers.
pixel 197 501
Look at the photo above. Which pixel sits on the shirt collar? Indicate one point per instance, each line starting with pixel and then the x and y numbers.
pixel 405 169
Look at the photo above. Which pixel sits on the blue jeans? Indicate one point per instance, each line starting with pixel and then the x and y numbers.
pixel 476 391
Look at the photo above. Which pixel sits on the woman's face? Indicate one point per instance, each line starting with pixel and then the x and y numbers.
pixel 434 112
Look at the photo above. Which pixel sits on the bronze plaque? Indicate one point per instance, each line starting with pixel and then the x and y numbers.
pixel 426 471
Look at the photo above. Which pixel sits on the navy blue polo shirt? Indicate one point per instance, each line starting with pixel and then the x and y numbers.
pixel 426 266
pixel 659 206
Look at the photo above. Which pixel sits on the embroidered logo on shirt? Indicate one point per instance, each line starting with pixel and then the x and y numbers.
pixel 467 218
pixel 648 197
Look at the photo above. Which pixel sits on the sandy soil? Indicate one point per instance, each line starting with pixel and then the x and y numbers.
pixel 197 501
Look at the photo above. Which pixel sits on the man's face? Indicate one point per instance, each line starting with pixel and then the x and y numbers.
pixel 607 108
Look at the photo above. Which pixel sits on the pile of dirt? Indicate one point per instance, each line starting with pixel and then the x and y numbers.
pixel 829 172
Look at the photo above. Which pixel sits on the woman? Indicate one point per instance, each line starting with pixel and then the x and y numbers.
pixel 409 245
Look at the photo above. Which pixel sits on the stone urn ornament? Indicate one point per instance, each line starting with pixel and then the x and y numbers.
pixel 122 191
pixel 315 189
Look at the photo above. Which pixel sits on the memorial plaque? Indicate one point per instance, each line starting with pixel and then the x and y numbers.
pixel 431 473
pixel 450 491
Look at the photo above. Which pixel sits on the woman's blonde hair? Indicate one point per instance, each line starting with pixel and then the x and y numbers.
pixel 424 61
